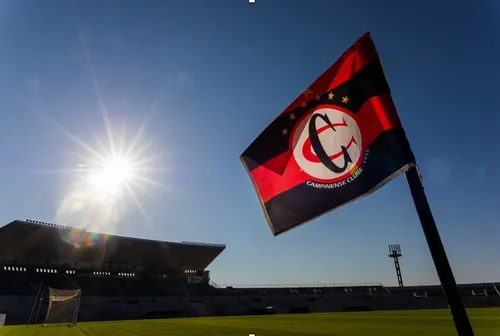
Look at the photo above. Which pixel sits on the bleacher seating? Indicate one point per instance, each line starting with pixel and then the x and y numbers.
pixel 125 282
pixel 108 297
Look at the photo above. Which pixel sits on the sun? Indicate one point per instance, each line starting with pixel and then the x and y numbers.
pixel 113 175
pixel 111 179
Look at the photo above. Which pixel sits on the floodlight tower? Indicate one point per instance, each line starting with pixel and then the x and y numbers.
pixel 395 253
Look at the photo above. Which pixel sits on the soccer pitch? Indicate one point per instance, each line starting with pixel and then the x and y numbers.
pixel 486 322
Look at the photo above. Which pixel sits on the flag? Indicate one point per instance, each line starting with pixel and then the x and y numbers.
pixel 340 140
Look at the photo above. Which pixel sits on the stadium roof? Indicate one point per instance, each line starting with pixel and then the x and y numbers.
pixel 38 242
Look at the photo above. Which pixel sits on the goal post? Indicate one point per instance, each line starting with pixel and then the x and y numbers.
pixel 63 306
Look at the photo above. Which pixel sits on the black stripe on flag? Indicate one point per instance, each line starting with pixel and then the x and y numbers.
pixel 303 203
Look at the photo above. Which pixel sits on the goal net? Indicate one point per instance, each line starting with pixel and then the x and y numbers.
pixel 63 306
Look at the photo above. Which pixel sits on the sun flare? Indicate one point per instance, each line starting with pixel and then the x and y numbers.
pixel 111 178
pixel 111 171
pixel 114 174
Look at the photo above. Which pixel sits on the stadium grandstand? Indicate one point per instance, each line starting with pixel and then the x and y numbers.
pixel 58 274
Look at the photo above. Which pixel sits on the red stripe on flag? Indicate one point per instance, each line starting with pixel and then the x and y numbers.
pixel 377 115
pixel 360 54
pixel 270 184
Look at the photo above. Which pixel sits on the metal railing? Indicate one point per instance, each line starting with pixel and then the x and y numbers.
pixel 202 244
pixel 31 221
pixel 312 285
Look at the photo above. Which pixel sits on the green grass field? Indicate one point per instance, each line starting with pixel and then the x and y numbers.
pixel 486 322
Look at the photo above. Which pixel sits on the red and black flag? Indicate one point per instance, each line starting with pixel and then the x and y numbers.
pixel 340 140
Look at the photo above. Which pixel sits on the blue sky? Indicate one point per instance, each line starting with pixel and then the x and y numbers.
pixel 204 78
